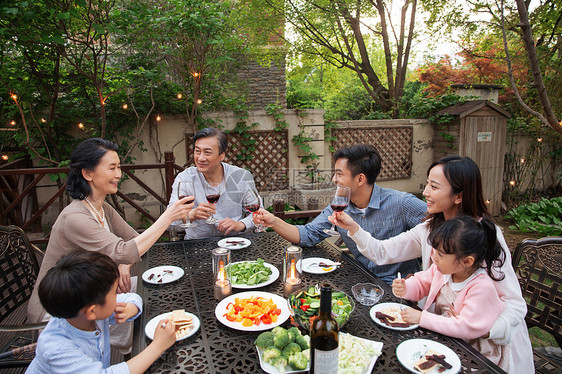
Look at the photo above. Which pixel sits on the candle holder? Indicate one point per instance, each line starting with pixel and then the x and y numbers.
pixel 221 273
pixel 292 269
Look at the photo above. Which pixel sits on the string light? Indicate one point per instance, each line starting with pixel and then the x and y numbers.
pixel 125 106
pixel 196 74
pixel 539 140
pixel 43 120
pixel 12 122
pixel 5 157
pixel 179 96
pixel 487 201
pixel 80 125
pixel 14 96
pixel 158 118
pixel 522 160
pixel 512 183
pixel 199 101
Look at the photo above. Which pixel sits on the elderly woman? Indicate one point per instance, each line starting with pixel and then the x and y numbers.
pixel 90 223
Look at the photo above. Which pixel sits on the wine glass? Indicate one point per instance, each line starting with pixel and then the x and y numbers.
pixel 185 189
pixel 338 204
pixel 252 202
pixel 213 194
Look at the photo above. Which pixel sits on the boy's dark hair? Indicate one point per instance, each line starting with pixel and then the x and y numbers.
pixel 361 158
pixel 465 236
pixel 86 156
pixel 210 132
pixel 79 279
pixel 464 176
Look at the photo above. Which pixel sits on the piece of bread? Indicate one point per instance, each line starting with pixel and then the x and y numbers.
pixel 182 321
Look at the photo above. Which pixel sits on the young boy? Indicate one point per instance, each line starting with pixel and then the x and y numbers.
pixel 80 293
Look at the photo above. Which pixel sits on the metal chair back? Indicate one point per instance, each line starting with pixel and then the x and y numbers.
pixel 538 265
pixel 19 268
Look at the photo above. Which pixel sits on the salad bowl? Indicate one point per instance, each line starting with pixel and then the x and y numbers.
pixel 304 306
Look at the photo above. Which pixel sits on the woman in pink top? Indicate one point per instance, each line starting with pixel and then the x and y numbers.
pixel 459 282
pixel 454 188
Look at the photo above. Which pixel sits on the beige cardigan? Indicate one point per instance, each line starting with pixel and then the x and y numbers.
pixel 76 228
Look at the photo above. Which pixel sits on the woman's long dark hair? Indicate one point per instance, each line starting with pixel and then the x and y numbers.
pixel 466 236
pixel 86 156
pixel 464 176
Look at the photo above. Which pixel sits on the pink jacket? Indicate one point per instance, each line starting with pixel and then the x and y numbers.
pixel 477 304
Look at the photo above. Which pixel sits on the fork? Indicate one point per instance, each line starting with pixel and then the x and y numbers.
pixel 325 265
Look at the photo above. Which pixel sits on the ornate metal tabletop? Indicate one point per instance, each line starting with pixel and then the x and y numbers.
pixel 216 348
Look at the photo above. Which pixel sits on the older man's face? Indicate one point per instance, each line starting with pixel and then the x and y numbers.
pixel 207 155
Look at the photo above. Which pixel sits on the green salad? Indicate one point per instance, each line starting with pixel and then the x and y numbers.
pixel 249 272
pixel 306 304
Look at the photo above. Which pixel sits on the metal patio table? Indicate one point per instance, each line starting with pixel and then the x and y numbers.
pixel 216 348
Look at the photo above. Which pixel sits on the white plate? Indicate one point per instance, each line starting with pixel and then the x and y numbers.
pixel 309 265
pixel 151 325
pixel 377 345
pixel 159 273
pixel 268 368
pixel 272 277
pixel 281 303
pixel 382 306
pixel 223 243
pixel 409 351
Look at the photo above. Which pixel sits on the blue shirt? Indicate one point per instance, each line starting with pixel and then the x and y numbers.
pixel 62 348
pixel 389 213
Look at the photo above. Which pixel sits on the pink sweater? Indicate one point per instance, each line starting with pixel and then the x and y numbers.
pixel 472 321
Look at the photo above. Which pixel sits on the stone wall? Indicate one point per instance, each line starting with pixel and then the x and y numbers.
pixel 265 84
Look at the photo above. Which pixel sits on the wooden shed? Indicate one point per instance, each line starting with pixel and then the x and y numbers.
pixel 478 130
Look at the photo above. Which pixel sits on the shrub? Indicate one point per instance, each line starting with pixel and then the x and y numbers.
pixel 543 217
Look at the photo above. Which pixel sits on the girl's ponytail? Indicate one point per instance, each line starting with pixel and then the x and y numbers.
pixel 466 236
pixel 494 256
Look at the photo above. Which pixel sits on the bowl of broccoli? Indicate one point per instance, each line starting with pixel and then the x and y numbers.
pixel 304 306
pixel 286 350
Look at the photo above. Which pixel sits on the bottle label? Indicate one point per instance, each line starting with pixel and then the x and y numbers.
pixel 326 362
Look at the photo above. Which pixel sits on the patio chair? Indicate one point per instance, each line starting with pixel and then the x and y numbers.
pixel 19 267
pixel 538 265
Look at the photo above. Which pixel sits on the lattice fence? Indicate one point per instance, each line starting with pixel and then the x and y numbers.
pixel 393 143
pixel 270 162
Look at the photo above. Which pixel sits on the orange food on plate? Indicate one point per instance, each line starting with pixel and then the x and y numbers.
pixel 252 311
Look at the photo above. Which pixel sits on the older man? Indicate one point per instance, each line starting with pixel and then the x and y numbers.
pixel 209 150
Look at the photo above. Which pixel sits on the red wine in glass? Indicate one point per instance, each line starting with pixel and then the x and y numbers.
pixel 338 207
pixel 188 201
pixel 213 199
pixel 252 208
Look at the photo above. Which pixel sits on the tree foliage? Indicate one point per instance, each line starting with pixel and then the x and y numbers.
pixel 343 32
pixel 81 68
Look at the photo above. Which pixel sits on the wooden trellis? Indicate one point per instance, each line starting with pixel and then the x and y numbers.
pixel 393 143
pixel 270 162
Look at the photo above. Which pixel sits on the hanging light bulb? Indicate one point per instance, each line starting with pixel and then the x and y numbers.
pixel 14 96
pixel 12 122
pixel 539 140
pixel 5 157
pixel 179 96
pixel 487 201
pixel 512 183
pixel 81 125
pixel 199 101
pixel 43 120
pixel 522 160
pixel 196 74
pixel 125 106
pixel 158 118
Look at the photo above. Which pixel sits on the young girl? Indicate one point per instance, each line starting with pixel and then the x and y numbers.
pixel 460 282
pixel 454 188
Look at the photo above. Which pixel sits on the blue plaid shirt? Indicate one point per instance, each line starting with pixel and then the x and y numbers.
pixel 389 213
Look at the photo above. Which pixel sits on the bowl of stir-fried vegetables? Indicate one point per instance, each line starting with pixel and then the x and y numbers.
pixel 304 306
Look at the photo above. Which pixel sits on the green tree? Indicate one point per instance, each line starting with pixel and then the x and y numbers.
pixel 341 33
